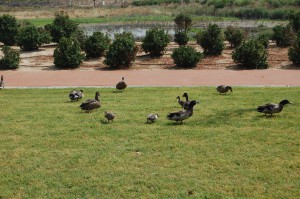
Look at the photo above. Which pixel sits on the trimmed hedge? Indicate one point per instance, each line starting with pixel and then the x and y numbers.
pixel 186 56
pixel 11 58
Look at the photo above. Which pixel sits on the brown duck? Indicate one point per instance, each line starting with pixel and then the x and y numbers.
pixel 91 104
pixel 121 85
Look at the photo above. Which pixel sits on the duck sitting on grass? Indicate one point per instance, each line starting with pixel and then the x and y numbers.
pixel 152 118
pixel 271 108
pixel 179 116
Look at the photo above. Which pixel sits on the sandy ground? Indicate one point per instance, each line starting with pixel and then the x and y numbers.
pixel 37 70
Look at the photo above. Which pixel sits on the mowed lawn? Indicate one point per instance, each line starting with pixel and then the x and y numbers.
pixel 49 148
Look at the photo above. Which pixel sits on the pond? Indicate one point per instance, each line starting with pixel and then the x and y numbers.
pixel 139 31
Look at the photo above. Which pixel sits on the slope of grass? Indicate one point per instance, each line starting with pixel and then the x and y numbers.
pixel 52 149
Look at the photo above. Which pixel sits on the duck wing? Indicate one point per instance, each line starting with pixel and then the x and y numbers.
pixel 179 115
pixel 121 85
pixel 267 108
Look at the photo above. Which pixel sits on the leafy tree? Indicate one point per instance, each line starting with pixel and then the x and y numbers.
pixel 31 38
pixel 294 51
pixel 251 54
pixel 8 29
pixel 62 26
pixel 186 56
pixel 68 54
pixel 183 25
pixel 211 40
pixel 263 39
pixel 96 45
pixel 294 19
pixel 11 58
pixel 283 36
pixel 121 53
pixel 155 41
pixel 234 36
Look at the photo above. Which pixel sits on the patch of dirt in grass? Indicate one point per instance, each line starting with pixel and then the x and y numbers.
pixel 43 60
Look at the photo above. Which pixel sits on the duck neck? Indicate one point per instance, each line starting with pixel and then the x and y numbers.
pixel 97 96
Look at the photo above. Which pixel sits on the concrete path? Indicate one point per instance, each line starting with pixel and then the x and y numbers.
pixel 79 78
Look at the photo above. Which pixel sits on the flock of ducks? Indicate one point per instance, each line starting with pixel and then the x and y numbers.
pixel 178 116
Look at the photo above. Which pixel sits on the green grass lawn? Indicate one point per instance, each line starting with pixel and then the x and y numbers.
pixel 52 149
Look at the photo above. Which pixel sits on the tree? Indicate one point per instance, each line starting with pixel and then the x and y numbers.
pixel 31 38
pixel 294 51
pixel 294 18
pixel 283 35
pixel 121 53
pixel 183 25
pixel 155 41
pixel 68 54
pixel 8 29
pixel 234 36
pixel 251 54
pixel 62 26
pixel 96 45
pixel 186 56
pixel 11 58
pixel 211 40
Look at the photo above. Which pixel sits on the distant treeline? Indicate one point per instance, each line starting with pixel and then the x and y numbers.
pixel 244 9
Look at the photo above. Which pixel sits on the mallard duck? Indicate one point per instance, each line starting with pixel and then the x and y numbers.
pixel 2 82
pixel 223 89
pixel 109 116
pixel 91 104
pixel 272 108
pixel 180 102
pixel 183 114
pixel 121 85
pixel 152 117
pixel 76 95
pixel 187 102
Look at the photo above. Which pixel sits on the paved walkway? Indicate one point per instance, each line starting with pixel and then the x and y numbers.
pixel 74 78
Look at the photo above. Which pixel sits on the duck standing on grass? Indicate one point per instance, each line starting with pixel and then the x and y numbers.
pixel 2 82
pixel 224 89
pixel 183 114
pixel 91 104
pixel 121 85
pixel 109 116
pixel 76 95
pixel 180 102
pixel 272 108
pixel 152 117
pixel 187 102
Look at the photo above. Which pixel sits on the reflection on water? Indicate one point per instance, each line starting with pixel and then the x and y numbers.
pixel 138 32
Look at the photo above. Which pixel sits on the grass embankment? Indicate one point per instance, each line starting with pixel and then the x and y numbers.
pixel 52 149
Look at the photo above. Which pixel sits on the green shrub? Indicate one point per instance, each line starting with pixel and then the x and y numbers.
pixel 186 56
pixel 251 54
pixel 283 36
pixel 211 40
pixel 11 58
pixel 294 52
pixel 294 19
pixel 31 38
pixel 8 30
pixel 181 38
pixel 80 37
pixel 121 53
pixel 68 54
pixel 155 41
pixel 96 45
pixel 183 23
pixel 234 36
pixel 252 13
pixel 62 26
pixel 263 39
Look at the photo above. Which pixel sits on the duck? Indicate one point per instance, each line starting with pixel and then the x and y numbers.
pixel 180 102
pixel 272 108
pixel 224 89
pixel 152 117
pixel 2 82
pixel 187 102
pixel 121 85
pixel 91 104
pixel 181 115
pixel 76 95
pixel 109 116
